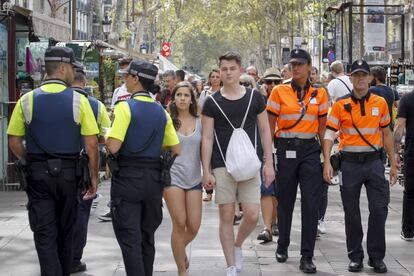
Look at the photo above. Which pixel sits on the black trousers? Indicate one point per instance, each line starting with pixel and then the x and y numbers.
pixel 80 232
pixel 408 198
pixel 370 174
pixel 306 170
pixel 136 199
pixel 52 210
pixel 323 205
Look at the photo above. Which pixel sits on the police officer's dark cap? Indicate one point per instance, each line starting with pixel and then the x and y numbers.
pixel 142 69
pixel 61 54
pixel 79 68
pixel 124 60
pixel 360 66
pixel 300 56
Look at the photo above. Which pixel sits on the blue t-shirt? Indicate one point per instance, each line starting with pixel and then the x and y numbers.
pixel 388 94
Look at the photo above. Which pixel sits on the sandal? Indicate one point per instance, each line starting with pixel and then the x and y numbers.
pixel 265 235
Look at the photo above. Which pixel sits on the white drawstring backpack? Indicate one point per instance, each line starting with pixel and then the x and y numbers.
pixel 241 159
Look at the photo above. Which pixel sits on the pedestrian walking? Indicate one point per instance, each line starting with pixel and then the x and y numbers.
pixel 323 205
pixel 340 85
pixel 169 81
pixel 121 93
pixel 140 130
pixel 53 119
pixel 184 196
pixel 298 110
pixel 287 73
pixel 362 118
pixel 214 84
pixel 378 87
pixel 221 115
pixel 81 227
pixel 405 124
pixel 268 199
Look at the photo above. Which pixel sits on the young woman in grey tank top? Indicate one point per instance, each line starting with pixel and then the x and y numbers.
pixel 183 197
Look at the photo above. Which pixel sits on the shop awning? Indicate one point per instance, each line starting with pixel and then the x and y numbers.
pixel 165 64
pixel 128 52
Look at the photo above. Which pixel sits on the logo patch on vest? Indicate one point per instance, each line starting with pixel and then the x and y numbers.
pixel 375 111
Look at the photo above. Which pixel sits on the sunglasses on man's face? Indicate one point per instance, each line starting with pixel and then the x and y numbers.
pixel 269 82
pixel 246 84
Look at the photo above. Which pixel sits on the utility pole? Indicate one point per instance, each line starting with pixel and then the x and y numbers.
pixel 73 19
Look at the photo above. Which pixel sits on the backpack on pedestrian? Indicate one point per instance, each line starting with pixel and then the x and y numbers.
pixel 241 159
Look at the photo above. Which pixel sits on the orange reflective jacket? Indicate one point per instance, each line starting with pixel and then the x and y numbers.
pixel 283 102
pixel 369 114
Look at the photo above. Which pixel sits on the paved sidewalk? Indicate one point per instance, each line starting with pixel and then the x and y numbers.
pixel 103 257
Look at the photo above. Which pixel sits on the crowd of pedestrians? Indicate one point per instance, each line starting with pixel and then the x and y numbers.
pixel 184 138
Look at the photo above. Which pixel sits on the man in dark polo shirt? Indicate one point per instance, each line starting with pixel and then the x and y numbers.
pixel 405 121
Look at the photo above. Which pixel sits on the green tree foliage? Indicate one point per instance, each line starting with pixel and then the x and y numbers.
pixel 202 29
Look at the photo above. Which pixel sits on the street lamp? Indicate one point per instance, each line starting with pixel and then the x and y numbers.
pixel 330 34
pixel 106 25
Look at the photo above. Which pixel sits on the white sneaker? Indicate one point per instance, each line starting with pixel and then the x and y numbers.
pixel 321 227
pixel 231 271
pixel 238 258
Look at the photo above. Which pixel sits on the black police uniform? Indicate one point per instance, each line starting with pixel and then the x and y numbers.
pixel 52 147
pixel 136 190
pixel 85 206
pixel 299 112
pixel 362 165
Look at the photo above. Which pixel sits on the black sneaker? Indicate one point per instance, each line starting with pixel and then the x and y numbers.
pixel 76 268
pixel 265 236
pixel 237 219
pixel 275 230
pixel 307 266
pixel 407 236
pixel 379 266
pixel 281 255
pixel 106 217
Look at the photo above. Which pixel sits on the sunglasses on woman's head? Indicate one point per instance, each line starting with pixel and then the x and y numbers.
pixel 246 84
pixel 269 82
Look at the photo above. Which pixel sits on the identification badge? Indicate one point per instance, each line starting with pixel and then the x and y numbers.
pixel 313 101
pixel 375 111
pixel 290 154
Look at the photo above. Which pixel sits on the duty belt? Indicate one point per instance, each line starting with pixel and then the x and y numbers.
pixel 295 141
pixel 42 165
pixel 139 162
pixel 360 157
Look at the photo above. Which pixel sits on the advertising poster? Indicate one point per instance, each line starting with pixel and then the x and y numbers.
pixel 374 27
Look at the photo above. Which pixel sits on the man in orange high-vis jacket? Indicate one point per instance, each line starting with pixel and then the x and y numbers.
pixel 298 111
pixel 362 120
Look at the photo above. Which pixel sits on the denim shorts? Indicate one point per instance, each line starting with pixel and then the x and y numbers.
pixel 268 191
pixel 198 186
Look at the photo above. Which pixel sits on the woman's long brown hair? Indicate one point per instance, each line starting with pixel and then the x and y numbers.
pixel 193 109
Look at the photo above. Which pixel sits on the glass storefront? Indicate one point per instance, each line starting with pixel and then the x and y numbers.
pixel 4 101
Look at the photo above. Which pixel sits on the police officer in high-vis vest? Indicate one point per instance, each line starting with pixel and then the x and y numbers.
pixel 298 112
pixel 52 119
pixel 140 130
pixel 102 118
pixel 362 120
